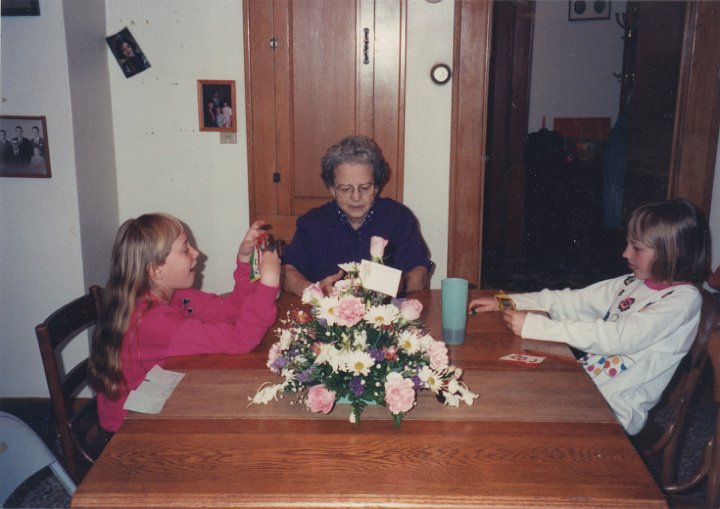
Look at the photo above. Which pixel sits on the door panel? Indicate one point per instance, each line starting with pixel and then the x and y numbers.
pixel 338 68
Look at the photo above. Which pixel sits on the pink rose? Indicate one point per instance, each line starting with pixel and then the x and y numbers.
pixel 312 294
pixel 320 399
pixel 349 311
pixel 410 309
pixel 377 248
pixel 399 393
pixel 438 355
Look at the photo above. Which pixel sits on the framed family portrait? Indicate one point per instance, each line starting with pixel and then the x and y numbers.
pixel 20 7
pixel 24 150
pixel 216 105
pixel 582 10
pixel 127 52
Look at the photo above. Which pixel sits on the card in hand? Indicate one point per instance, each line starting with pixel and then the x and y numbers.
pixel 504 301
pixel 261 243
pixel 522 359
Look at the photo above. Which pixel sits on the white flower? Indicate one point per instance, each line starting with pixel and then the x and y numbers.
pixel 312 293
pixel 409 341
pixel 358 363
pixel 265 393
pixel 431 379
pixel 285 339
pixel 326 355
pixel 467 395
pixel 360 339
pixel 451 399
pixel 382 315
pixel 349 267
pixel 326 309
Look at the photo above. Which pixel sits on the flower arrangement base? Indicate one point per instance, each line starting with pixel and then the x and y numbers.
pixel 343 400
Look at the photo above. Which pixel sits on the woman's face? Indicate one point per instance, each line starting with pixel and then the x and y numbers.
pixel 354 191
pixel 127 50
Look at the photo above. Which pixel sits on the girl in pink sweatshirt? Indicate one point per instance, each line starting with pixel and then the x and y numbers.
pixel 152 313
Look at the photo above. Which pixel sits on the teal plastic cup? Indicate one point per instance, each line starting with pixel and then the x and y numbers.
pixel 454 292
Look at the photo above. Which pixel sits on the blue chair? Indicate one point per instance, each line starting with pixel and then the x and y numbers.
pixel 23 453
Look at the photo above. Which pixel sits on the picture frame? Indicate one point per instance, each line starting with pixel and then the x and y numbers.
pixel 221 95
pixel 588 10
pixel 20 155
pixel 20 8
pixel 127 53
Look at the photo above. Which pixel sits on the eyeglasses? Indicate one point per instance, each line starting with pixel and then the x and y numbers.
pixel 363 189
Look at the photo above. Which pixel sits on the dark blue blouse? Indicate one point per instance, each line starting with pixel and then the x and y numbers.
pixel 324 238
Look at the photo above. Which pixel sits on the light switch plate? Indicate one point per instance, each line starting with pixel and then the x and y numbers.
pixel 228 137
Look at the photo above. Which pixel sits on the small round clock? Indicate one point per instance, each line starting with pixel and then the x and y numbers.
pixel 440 74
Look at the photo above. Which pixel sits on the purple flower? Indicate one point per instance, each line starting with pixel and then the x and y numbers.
pixel 279 363
pixel 378 354
pixel 305 375
pixel 418 383
pixel 356 386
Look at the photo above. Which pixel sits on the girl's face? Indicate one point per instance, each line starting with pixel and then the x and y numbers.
pixel 640 257
pixel 178 271
pixel 127 50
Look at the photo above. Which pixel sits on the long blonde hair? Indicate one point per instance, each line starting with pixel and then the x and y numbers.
pixel 139 243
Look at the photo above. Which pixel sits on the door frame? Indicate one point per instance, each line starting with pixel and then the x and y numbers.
pixel 692 167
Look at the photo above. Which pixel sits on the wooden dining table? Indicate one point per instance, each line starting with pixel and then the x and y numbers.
pixel 535 437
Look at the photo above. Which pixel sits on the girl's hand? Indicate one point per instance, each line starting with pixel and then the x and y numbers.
pixel 248 243
pixel 515 320
pixel 270 269
pixel 483 305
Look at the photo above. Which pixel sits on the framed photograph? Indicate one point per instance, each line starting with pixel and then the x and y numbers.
pixel 216 103
pixel 24 148
pixel 127 52
pixel 20 7
pixel 584 10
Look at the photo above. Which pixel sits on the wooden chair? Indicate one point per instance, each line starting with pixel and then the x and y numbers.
pixel 709 469
pixel 81 437
pixel 665 441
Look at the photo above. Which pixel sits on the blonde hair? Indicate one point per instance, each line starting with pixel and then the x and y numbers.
pixel 139 243
pixel 678 232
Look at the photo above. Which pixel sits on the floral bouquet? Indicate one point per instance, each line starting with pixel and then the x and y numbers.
pixel 360 347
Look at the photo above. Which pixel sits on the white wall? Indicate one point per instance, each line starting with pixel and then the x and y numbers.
pixel 40 250
pixel 428 109
pixel 593 50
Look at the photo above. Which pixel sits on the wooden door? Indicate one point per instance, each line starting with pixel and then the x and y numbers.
pixel 652 69
pixel 695 125
pixel 316 71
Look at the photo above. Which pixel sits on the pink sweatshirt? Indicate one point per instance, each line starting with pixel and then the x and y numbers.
pixel 193 322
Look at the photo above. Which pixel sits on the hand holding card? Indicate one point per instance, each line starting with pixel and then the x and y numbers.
pixel 504 301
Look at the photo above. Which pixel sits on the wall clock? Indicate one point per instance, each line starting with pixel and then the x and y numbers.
pixel 440 74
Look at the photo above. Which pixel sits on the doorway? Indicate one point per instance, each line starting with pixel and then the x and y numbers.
pixel 552 218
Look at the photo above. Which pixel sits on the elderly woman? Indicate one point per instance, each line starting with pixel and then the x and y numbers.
pixel 354 171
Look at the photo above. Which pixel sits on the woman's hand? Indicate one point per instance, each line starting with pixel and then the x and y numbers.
pixel 515 320
pixel 248 243
pixel 270 269
pixel 483 305
pixel 326 284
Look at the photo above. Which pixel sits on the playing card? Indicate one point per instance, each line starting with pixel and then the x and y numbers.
pixel 504 301
pixel 261 243
pixel 522 359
